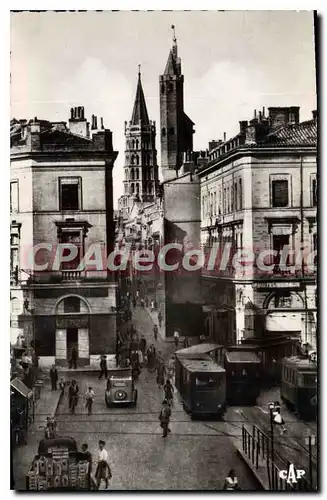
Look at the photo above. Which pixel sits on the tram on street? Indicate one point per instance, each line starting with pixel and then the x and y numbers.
pixel 243 374
pixel 299 386
pixel 201 380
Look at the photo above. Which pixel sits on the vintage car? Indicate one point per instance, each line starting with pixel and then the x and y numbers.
pixel 121 389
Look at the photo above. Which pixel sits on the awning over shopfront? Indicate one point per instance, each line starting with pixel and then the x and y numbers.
pixel 19 387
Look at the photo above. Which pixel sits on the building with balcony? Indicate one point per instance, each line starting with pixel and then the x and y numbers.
pixel 61 193
pixel 259 194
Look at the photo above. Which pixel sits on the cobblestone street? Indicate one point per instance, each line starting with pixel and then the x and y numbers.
pixel 196 455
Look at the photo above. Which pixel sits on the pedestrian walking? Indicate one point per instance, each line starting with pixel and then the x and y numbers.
pixel 87 456
pixel 164 418
pixel 73 358
pixel 143 344
pixel 152 305
pixel 73 393
pixel 231 482
pixel 134 302
pixel 54 377
pixel 155 332
pixel 169 392
pixel 186 342
pixel 146 301
pixel 103 470
pixel 62 385
pixel 159 319
pixel 103 367
pixel 161 372
pixel 176 337
pixel 142 303
pixel 278 419
pixel 89 399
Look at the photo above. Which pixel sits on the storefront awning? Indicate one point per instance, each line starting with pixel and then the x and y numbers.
pixel 21 388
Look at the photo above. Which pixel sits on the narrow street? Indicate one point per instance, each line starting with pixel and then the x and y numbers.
pixel 196 455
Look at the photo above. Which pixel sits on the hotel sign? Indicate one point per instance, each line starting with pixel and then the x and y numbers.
pixel 278 284
pixel 64 322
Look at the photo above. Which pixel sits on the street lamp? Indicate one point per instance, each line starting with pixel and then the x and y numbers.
pixel 31 311
pixel 310 441
pixel 271 407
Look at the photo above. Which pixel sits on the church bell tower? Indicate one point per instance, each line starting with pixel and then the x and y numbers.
pixel 141 179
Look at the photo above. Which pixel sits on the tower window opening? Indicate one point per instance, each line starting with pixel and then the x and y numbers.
pixel 137 160
pixel 137 174
pixel 137 144
pixel 132 174
pixel 132 188
pixel 162 89
pixel 133 144
pixel 163 132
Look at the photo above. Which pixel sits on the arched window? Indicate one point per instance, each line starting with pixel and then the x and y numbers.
pixel 162 88
pixel 72 305
pixel 132 159
pixel 132 188
pixel 133 144
pixel 235 197
pixel 137 188
pixel 240 194
pixel 137 160
pixel 137 144
pixel 150 188
pixel 163 132
pixel 126 173
pixel 137 174
pixel 132 174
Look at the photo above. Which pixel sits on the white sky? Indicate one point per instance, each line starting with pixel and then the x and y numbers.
pixel 233 62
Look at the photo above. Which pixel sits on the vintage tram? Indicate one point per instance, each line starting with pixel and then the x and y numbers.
pixel 243 374
pixel 299 386
pixel 201 380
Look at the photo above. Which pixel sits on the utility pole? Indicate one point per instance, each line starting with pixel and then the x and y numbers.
pixel 271 407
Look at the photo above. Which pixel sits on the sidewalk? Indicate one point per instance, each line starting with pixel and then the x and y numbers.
pixel 23 455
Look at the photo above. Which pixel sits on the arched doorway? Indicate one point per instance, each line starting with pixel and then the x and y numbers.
pixel 72 329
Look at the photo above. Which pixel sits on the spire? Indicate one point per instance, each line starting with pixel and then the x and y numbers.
pixel 139 111
pixel 173 66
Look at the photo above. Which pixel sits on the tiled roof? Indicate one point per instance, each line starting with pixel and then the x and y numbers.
pixel 302 134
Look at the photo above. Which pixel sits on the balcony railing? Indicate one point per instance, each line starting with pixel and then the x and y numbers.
pixel 69 275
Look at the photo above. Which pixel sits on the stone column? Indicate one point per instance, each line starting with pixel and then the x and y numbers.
pixel 61 346
pixel 83 346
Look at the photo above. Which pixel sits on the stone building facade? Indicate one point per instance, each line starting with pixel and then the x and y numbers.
pixel 61 193
pixel 258 194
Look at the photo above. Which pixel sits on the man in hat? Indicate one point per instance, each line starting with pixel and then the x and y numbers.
pixel 164 418
pixel 54 377
pixel 103 367
pixel 103 469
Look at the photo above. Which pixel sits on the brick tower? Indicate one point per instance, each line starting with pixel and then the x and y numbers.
pixel 141 170
pixel 176 127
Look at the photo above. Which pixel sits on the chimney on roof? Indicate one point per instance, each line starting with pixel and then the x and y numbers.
pixel 101 121
pixel 77 123
pixel 224 136
pixel 243 126
pixel 263 112
pixel 213 144
pixel 94 125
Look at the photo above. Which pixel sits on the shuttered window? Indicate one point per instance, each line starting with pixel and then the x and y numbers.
pixel 280 193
